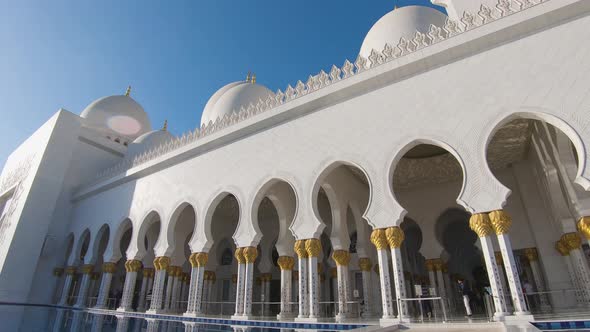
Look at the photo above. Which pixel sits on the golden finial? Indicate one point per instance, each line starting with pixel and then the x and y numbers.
pixel 165 127
pixel 249 77
pixel 253 78
pixel 128 92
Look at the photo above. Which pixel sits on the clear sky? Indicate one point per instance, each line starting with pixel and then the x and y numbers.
pixel 175 54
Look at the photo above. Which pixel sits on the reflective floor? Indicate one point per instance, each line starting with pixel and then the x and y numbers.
pixel 36 318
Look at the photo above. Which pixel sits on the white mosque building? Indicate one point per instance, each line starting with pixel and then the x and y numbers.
pixel 455 147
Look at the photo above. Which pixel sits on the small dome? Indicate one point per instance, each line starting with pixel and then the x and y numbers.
pixel 400 22
pixel 147 141
pixel 121 114
pixel 231 97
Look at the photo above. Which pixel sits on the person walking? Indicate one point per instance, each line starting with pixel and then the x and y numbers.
pixel 465 292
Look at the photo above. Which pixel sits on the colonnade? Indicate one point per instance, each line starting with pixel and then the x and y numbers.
pixel 168 284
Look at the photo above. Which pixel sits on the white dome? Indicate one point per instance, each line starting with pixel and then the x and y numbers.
pixel 400 22
pixel 121 114
pixel 231 97
pixel 147 141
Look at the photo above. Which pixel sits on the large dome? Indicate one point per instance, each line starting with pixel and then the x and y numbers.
pixel 147 141
pixel 121 114
pixel 400 22
pixel 231 97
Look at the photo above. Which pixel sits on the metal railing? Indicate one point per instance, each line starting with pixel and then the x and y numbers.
pixel 562 301
pixel 431 309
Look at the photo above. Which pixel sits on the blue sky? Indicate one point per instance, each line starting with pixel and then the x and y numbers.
pixel 174 54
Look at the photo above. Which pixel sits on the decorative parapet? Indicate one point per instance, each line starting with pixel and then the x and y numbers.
pixel 436 34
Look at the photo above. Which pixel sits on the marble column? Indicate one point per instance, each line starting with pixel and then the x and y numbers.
pixel 563 249
pixel 573 241
pixel 342 259
pixel 265 279
pixel 240 286
pixel 481 225
pixel 65 293
pixel 533 258
pixel 234 291
pixel 286 263
pixel 153 325
pixel 250 254
pixel 378 307
pixel 295 293
pixel 169 287
pixel 194 285
pixel 313 248
pixel 108 269
pixel 448 286
pixel 379 239
pixel 97 323
pixel 122 324
pixel 303 264
pixel 58 274
pixel 438 266
pixel 365 265
pixel 395 237
pixel 84 285
pixel 148 274
pixel 501 222
pixel 160 264
pixel 212 296
pixel 334 282
pixel 131 267
pixel 185 290
pixel 431 276
pixel 206 291
pixel 178 281
pixel 77 321
pixel 500 262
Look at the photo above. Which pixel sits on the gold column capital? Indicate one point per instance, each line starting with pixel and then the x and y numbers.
pixel 341 257
pixel 365 264
pixel 87 268
pixel 445 268
pixel 132 265
pixel 584 227
pixel 430 265
pixel 71 270
pixel 161 263
pixel 58 271
pixel 531 254
pixel 266 277
pixel 299 248
pixel 499 258
pixel 109 267
pixel 572 241
pixel 379 239
pixel 148 272
pixel 395 236
pixel 481 225
pixel 199 259
pixel 313 247
pixel 500 221
pixel 438 264
pixel 286 263
pixel 239 255
pixel 562 248
pixel 250 254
